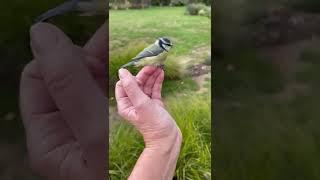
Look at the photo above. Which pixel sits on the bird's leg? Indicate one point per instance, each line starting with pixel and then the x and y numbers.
pixel 160 66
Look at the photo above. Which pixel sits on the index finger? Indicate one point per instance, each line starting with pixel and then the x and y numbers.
pixel 144 74
pixel 130 86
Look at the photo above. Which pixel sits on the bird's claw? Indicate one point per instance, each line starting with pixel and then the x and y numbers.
pixel 161 66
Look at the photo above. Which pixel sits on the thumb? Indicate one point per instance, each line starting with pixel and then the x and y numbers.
pixel 132 89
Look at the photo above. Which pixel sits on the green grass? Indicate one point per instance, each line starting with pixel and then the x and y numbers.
pixel 187 32
pixel 130 32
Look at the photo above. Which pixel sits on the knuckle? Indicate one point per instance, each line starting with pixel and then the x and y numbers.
pixel 30 70
pixel 59 81
pixel 130 89
pixel 118 83
pixel 126 84
pixel 143 105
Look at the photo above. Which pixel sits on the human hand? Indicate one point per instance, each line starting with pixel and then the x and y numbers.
pixel 139 102
pixel 63 105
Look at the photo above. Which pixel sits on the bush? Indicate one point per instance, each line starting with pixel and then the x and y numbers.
pixel 199 9
pixel 194 8
pixel 160 2
pixel 178 2
pixel 205 12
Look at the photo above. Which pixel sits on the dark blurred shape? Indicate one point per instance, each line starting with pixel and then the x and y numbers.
pixel 86 7
pixel 17 17
pixel 266 89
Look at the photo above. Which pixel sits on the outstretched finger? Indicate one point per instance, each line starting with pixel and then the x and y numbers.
pixel 144 74
pixel 147 87
pixel 157 87
pixel 132 89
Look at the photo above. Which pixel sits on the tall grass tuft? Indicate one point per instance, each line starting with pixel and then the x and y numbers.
pixel 193 116
pixel 125 146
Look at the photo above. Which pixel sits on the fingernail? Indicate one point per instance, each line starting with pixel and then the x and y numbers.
pixel 122 73
pixel 43 38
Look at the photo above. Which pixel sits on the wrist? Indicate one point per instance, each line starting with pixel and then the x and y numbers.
pixel 165 154
pixel 166 145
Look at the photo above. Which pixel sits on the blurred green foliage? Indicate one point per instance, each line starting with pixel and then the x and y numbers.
pixel 261 130
pixel 246 73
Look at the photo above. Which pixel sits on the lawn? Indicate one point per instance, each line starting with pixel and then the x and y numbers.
pixel 130 32
pixel 187 32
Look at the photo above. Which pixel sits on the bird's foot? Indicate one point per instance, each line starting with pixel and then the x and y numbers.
pixel 161 66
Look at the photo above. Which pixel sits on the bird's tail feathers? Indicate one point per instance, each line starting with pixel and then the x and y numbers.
pixel 128 64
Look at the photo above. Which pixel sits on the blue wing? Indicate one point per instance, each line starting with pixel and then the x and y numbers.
pixel 152 50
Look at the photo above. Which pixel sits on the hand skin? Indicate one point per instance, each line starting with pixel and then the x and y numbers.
pixel 64 110
pixel 63 105
pixel 139 102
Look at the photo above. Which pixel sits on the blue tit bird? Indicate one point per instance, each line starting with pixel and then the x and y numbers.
pixel 155 54
pixel 87 7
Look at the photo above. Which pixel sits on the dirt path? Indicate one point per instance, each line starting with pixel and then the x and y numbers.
pixel 201 81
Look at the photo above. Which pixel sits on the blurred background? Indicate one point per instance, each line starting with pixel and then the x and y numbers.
pixel 266 85
pixel 135 24
pixel 16 17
